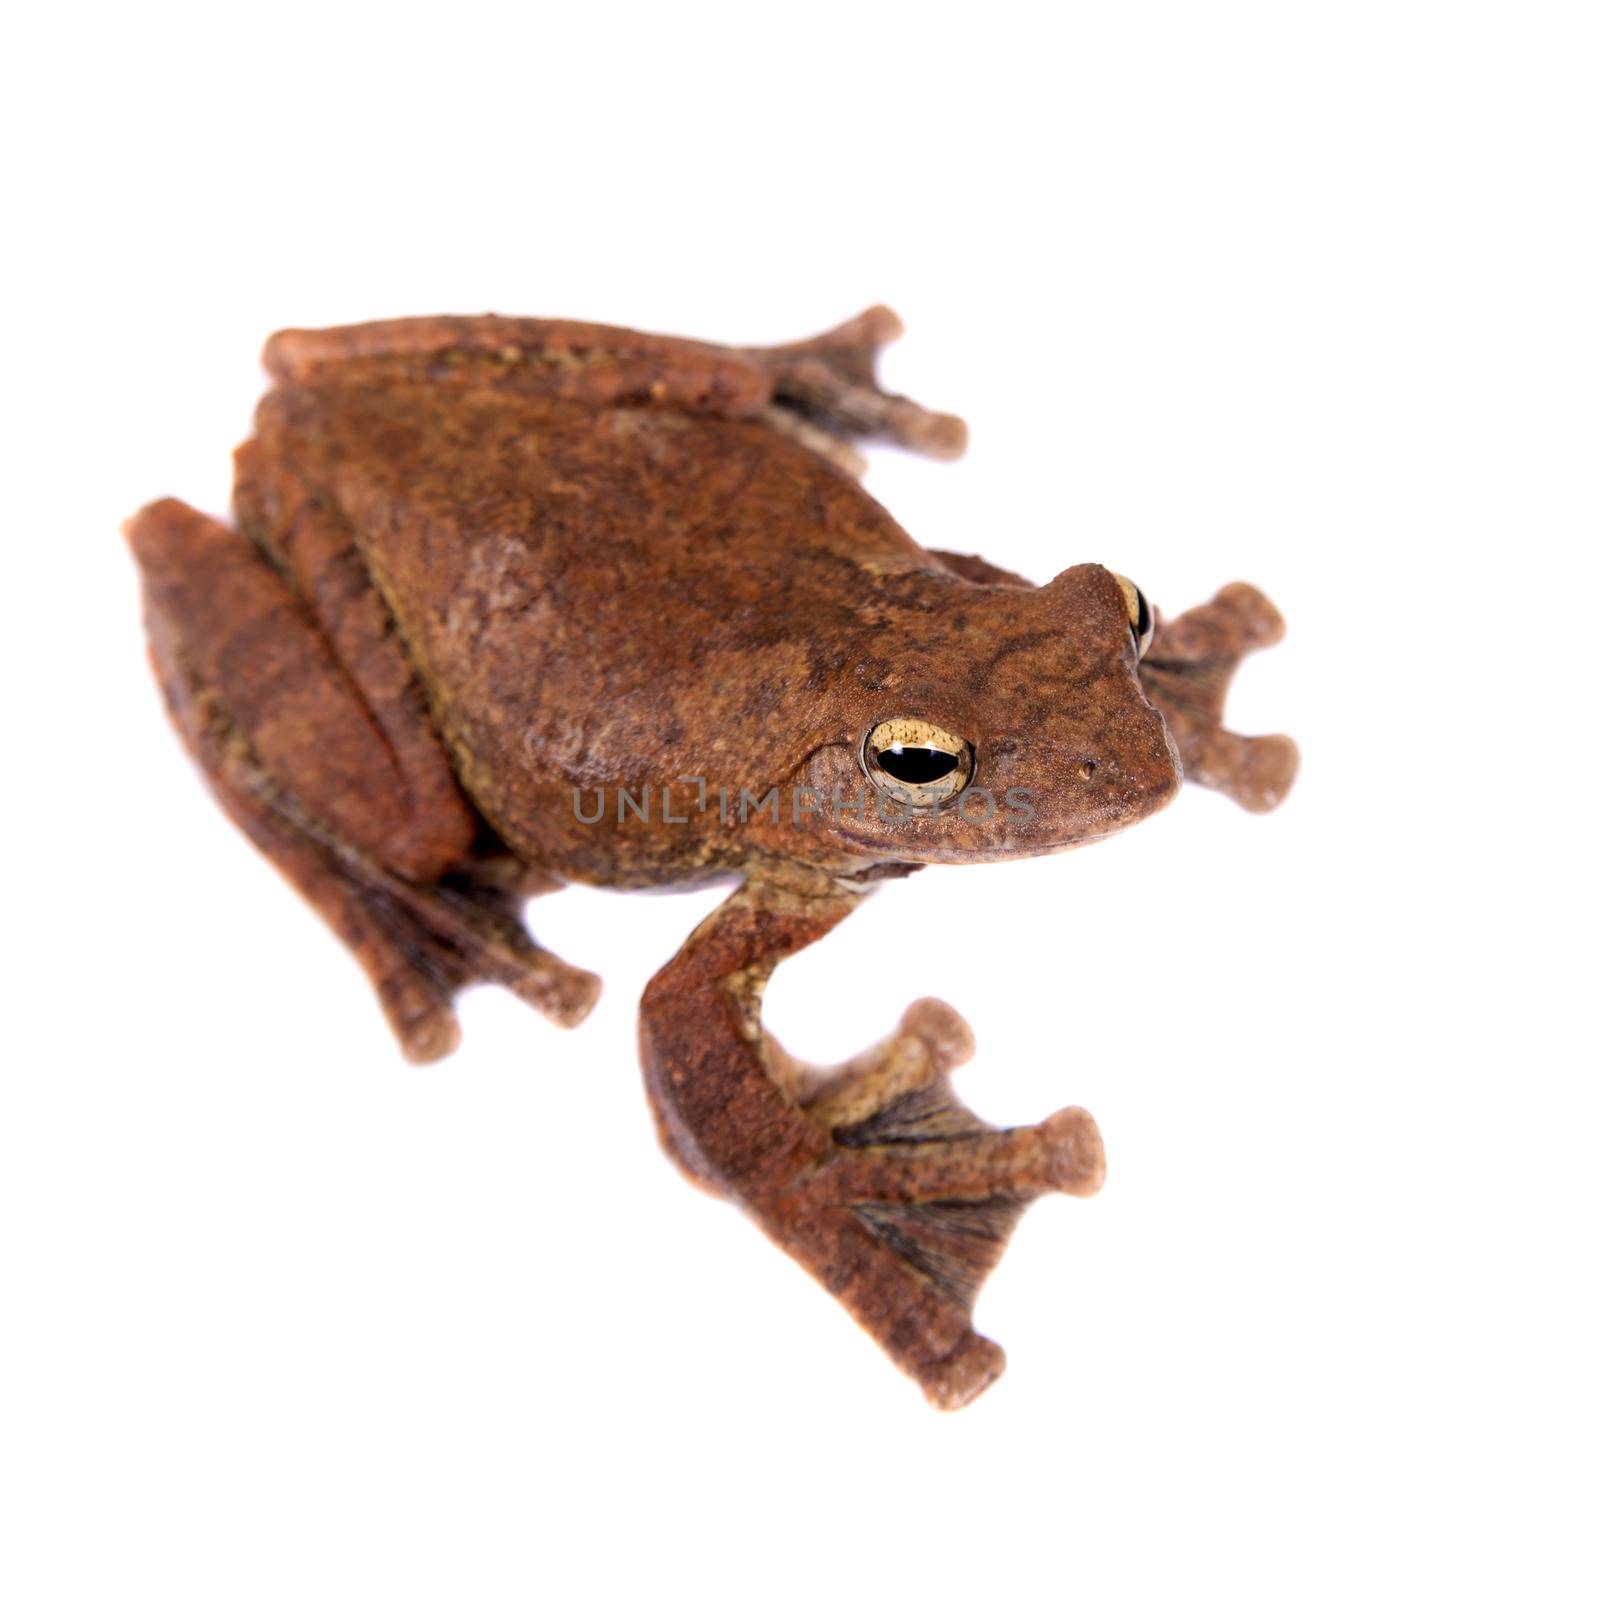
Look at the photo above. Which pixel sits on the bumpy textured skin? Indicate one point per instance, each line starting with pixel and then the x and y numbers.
pixel 494 570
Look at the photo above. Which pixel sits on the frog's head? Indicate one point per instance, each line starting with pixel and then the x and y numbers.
pixel 1008 722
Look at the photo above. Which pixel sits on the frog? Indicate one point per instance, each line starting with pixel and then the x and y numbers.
pixel 509 604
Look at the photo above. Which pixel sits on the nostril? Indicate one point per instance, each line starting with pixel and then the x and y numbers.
pixel 1087 769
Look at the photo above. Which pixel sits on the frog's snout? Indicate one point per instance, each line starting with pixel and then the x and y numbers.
pixel 1167 778
pixel 1139 773
pixel 1132 795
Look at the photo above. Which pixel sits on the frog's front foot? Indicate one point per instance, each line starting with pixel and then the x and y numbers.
pixel 826 392
pixel 873 1176
pixel 935 1185
pixel 1186 674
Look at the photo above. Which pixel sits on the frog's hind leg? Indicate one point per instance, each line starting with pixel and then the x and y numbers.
pixel 874 1177
pixel 822 391
pixel 296 758
pixel 825 391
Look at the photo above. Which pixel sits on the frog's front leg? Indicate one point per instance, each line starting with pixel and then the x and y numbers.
pixel 1186 673
pixel 300 762
pixel 874 1177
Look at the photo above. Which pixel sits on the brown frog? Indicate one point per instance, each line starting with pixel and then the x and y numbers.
pixel 516 603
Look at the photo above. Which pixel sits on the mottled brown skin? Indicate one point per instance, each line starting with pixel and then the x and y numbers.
pixel 495 570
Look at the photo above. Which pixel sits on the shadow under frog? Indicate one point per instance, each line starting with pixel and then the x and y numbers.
pixel 485 566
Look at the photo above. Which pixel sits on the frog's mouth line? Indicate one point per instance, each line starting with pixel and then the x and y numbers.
pixel 980 854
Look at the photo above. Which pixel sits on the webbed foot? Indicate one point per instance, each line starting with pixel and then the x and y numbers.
pixel 935 1185
pixel 826 392
pixel 873 1176
pixel 1186 674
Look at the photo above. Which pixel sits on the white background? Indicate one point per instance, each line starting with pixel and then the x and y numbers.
pixel 1300 294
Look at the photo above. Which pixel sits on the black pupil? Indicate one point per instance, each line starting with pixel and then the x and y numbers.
pixel 915 763
pixel 1142 626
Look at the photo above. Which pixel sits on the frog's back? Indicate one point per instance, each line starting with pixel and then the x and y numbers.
pixel 592 595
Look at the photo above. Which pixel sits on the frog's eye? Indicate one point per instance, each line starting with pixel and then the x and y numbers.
pixel 1141 619
pixel 916 763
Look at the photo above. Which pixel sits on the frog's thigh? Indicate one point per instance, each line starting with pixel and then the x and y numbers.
pixel 312 550
pixel 294 757
pixel 526 355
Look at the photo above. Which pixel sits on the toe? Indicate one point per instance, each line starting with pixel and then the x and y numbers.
pixel 942 1030
pixel 964 1374
pixel 1078 1154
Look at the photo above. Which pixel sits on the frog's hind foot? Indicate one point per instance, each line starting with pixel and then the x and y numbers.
pixel 294 759
pixel 873 1176
pixel 446 936
pixel 419 944
pixel 826 393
